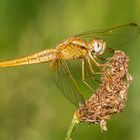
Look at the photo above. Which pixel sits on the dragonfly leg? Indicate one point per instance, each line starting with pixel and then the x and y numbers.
pixel 93 59
pixel 83 76
pixel 111 50
pixel 97 64
pixel 90 66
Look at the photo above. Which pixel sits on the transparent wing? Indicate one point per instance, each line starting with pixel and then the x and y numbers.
pixel 114 37
pixel 63 78
pixel 75 68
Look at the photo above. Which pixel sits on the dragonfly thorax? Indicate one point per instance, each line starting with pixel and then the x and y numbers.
pixel 98 46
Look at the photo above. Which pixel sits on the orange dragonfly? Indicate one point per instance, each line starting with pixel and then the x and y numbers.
pixel 85 48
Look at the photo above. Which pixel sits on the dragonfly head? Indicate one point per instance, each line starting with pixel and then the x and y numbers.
pixel 98 46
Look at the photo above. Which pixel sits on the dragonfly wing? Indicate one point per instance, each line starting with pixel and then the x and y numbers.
pixel 114 37
pixel 63 78
pixel 90 78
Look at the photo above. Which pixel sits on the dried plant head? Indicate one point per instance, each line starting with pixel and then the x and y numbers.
pixel 111 96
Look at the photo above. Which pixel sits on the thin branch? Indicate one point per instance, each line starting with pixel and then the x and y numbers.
pixel 73 124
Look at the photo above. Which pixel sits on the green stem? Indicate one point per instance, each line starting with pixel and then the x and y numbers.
pixel 73 124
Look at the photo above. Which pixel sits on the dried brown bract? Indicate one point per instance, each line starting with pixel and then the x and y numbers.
pixel 111 96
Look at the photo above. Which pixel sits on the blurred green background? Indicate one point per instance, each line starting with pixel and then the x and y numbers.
pixel 31 106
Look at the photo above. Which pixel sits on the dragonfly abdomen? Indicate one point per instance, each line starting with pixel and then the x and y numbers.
pixel 46 55
pixel 40 57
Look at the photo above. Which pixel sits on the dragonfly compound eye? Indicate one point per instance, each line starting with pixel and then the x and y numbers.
pixel 99 46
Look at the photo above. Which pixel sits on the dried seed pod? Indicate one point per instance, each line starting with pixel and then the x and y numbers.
pixel 111 96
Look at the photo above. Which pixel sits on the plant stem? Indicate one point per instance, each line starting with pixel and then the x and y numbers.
pixel 73 124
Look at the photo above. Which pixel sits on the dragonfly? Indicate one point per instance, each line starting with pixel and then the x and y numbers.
pixel 85 48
